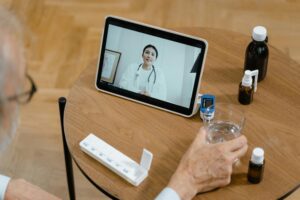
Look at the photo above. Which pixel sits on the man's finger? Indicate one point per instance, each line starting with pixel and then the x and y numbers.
pixel 201 136
pixel 240 152
pixel 235 144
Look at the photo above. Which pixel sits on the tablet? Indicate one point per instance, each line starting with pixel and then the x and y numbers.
pixel 150 65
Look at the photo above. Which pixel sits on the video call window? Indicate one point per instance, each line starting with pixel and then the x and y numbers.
pixel 149 65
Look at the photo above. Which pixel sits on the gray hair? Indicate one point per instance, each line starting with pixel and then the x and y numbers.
pixel 9 24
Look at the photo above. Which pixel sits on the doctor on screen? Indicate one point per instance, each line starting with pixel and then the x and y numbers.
pixel 145 78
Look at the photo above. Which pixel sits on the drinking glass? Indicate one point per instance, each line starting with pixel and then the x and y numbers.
pixel 226 124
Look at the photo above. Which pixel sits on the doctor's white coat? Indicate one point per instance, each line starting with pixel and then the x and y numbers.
pixel 130 81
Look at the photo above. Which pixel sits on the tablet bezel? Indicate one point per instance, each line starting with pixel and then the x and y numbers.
pixel 162 33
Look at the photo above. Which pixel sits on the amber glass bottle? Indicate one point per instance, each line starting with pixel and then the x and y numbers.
pixel 256 166
pixel 245 94
pixel 257 53
pixel 246 88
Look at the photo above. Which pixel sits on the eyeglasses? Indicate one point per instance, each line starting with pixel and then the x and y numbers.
pixel 26 96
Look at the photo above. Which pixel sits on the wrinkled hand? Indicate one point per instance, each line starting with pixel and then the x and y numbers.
pixel 206 166
pixel 23 190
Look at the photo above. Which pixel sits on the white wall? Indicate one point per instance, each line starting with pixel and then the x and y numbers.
pixel 174 59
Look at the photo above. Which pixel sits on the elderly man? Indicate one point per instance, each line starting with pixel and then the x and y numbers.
pixel 15 88
pixel 203 167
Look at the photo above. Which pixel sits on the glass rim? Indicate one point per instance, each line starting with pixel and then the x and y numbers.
pixel 228 110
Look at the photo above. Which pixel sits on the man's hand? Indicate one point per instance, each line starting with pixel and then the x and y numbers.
pixel 206 166
pixel 21 189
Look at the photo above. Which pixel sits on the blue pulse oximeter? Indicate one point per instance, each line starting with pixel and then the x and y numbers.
pixel 207 106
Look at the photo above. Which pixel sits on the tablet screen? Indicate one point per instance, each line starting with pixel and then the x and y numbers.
pixel 150 65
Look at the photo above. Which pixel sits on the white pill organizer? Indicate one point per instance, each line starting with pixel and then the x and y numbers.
pixel 116 161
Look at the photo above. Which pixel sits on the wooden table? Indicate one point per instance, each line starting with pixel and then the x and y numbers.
pixel 272 122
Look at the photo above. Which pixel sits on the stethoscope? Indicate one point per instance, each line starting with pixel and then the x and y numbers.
pixel 153 71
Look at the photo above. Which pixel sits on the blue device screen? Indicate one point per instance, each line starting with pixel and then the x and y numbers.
pixel 207 102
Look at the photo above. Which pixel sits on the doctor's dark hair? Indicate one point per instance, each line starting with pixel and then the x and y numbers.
pixel 151 46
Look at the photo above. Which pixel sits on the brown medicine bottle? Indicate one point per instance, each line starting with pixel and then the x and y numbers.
pixel 256 166
pixel 257 52
pixel 246 88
